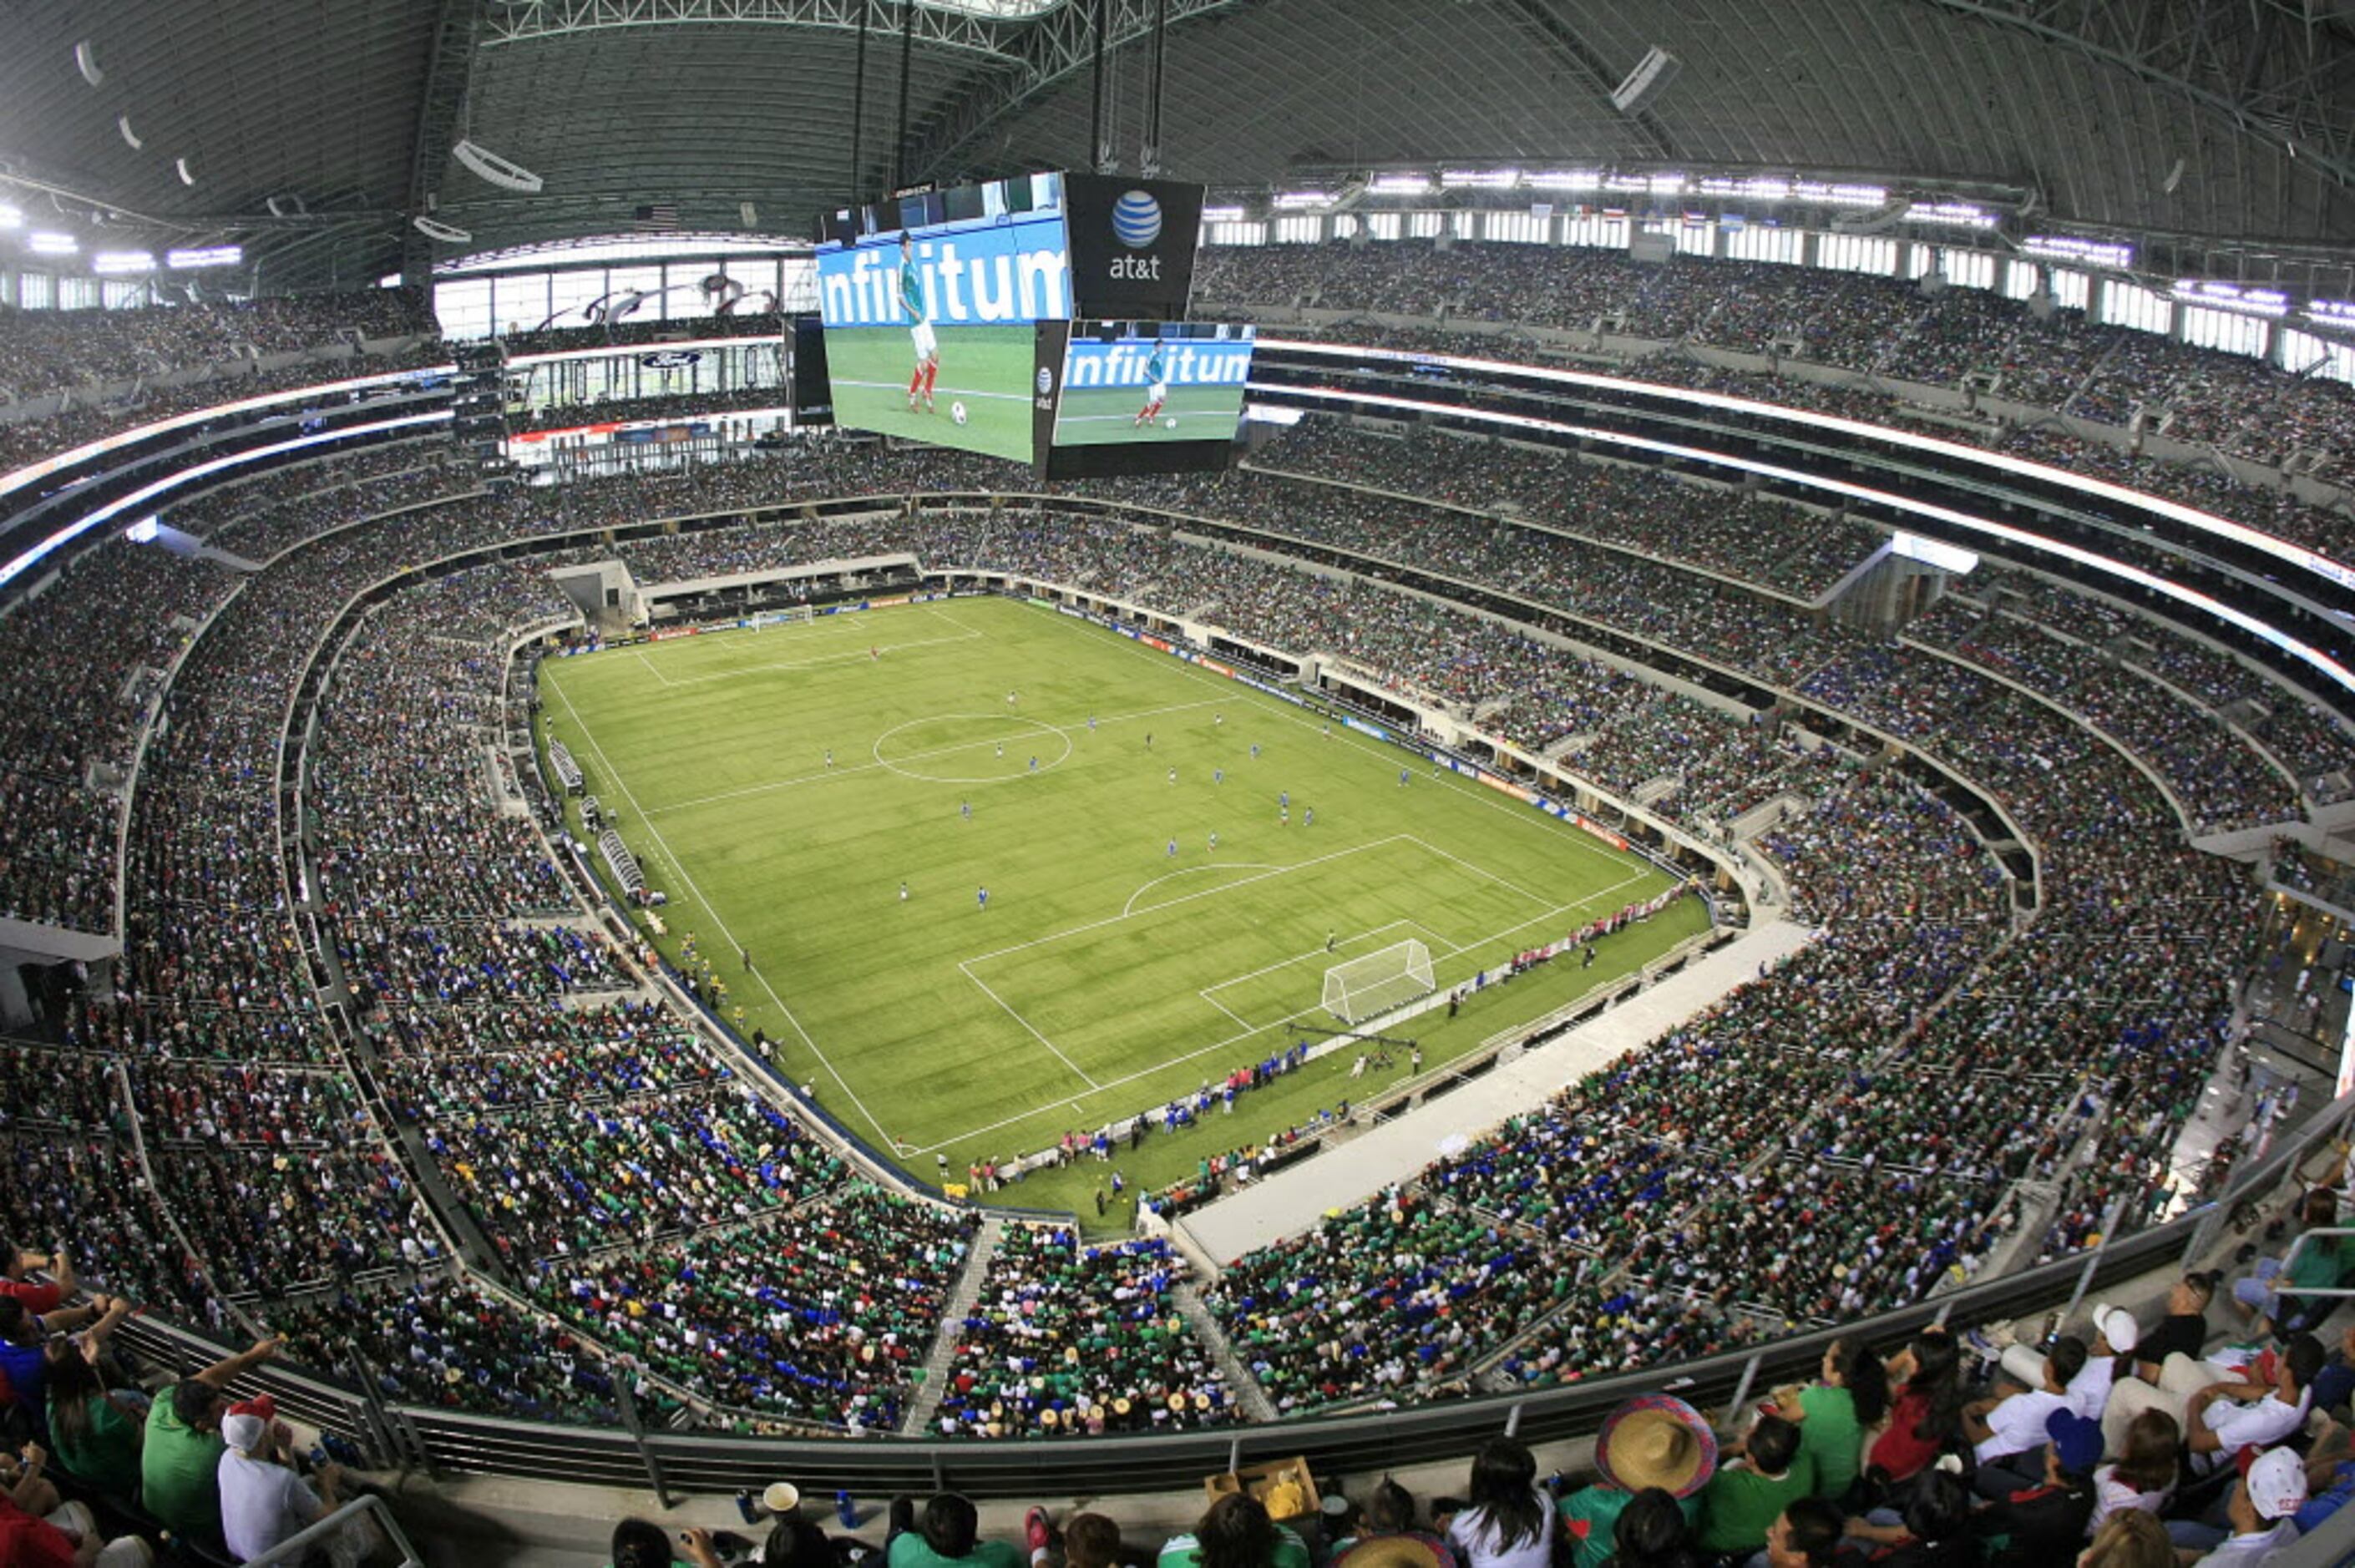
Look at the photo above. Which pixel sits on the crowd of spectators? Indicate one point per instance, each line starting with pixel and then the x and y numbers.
pixel 43 352
pixel 1875 325
pixel 819 1314
pixel 1067 1337
pixel 650 1197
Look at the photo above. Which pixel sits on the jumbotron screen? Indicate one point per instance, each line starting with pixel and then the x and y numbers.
pixel 930 303
pixel 1152 381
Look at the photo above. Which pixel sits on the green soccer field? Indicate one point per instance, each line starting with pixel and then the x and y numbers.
pixel 987 369
pixel 1105 974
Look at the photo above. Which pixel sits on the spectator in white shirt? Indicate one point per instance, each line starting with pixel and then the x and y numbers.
pixel 263 1501
pixel 2014 1424
pixel 2230 1414
pixel 2260 1509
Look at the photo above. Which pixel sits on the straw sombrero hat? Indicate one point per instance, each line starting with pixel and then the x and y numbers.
pixel 1656 1440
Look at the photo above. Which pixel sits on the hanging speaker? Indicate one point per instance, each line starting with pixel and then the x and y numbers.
pixel 85 62
pixel 503 172
pixel 1646 81
pixel 434 229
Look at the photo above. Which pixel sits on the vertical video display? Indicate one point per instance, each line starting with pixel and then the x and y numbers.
pixel 930 305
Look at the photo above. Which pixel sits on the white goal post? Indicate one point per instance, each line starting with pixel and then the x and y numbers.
pixel 1369 987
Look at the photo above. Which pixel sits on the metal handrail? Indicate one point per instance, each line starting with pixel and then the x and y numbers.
pixel 292 1548
pixel 2281 1282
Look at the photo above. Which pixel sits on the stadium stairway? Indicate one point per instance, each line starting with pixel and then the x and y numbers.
pixel 1247 1390
pixel 927 1402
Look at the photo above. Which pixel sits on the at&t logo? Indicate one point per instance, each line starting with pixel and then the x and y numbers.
pixel 1136 224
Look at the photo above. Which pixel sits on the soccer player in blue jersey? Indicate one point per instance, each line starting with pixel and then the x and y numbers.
pixel 928 344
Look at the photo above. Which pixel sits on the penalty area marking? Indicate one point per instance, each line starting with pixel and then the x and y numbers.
pixel 1130 907
pixel 848 656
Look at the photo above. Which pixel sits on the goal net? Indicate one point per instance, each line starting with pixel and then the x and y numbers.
pixel 1369 987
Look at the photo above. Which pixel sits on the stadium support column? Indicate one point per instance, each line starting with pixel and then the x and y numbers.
pixel 478 409
pixel 1099 149
pixel 1149 163
pixel 857 103
pixel 907 47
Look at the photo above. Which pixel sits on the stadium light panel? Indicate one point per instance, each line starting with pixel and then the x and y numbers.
pixel 43 242
pixel 1295 201
pixel 1566 180
pixel 121 263
pixel 1400 184
pixel 1950 215
pixel 11 217
pixel 1222 215
pixel 206 256
pixel 1479 179
pixel 2331 313
pixel 1835 194
pixel 2117 255
pixel 2232 297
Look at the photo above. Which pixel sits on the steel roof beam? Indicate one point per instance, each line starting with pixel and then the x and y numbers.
pixel 2265 66
pixel 1050 49
pixel 442 99
pixel 523 20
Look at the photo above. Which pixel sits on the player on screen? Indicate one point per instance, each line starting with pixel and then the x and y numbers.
pixel 1156 373
pixel 928 346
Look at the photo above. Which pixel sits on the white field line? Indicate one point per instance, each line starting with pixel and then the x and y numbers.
pixel 1066 731
pixel 1247 1032
pixel 825 630
pixel 680 866
pixel 1026 1023
pixel 1314 953
pixel 1289 715
pixel 1504 883
pixel 1248 1029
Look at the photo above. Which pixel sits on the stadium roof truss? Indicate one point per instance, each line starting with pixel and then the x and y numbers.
pixel 2283 71
pixel 319 131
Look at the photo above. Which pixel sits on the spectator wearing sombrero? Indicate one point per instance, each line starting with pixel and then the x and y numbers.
pixel 1653 1440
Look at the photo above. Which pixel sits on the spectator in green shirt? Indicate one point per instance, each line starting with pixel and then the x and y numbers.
pixel 2316 1265
pixel 179 1464
pixel 641 1543
pixel 1234 1532
pixel 1653 1440
pixel 1745 1497
pixel 1850 1395
pixel 948 1535
pixel 96 1430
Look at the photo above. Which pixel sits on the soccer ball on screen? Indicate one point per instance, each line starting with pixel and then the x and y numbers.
pixel 957 412
pixel 1171 421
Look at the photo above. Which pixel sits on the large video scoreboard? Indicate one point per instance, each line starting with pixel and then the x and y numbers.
pixel 962 316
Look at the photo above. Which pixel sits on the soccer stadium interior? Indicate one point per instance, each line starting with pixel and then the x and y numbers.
pixel 1739 946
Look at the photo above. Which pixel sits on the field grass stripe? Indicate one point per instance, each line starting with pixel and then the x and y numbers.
pixel 1365 744
pixel 799 778
pixel 711 909
pixel 1026 1023
pixel 1506 883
